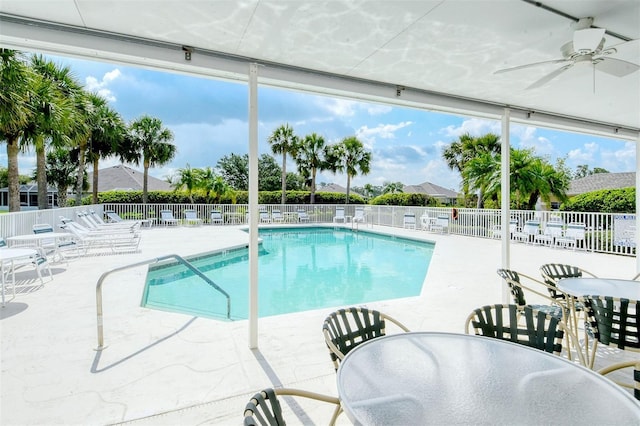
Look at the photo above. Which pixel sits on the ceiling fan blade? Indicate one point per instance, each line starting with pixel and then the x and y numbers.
pixel 616 67
pixel 547 78
pixel 534 64
pixel 587 40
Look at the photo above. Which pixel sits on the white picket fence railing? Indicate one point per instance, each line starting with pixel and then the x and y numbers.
pixel 605 232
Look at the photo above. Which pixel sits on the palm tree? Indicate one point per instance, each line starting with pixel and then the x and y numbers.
pixel 61 172
pixel 392 187
pixel 349 156
pixel 466 148
pixel 54 115
pixel 152 144
pixel 190 179
pixel 15 114
pixel 531 177
pixel 284 141
pixel 310 158
pixel 108 131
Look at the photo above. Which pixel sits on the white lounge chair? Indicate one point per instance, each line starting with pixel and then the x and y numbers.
pixel 574 233
pixel 441 224
pixel 264 216
pixel 552 230
pixel 409 220
pixel 339 217
pixel 496 230
pixel 191 218
pixel 276 215
pixel 359 215
pixel 528 233
pixel 302 216
pixel 86 239
pixel 216 217
pixel 167 219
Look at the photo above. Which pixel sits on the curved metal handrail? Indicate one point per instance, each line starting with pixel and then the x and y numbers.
pixel 142 263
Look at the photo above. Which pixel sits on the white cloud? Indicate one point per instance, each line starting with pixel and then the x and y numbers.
pixel 383 131
pixel 378 109
pixel 474 127
pixel 348 108
pixel 92 84
pixel 339 107
pixel 620 160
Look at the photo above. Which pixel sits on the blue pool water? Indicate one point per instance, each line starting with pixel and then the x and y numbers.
pixel 299 269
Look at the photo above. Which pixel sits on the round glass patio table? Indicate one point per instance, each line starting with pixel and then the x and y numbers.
pixel 622 289
pixel 445 378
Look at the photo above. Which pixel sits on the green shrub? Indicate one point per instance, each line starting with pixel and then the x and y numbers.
pixel 605 201
pixel 238 197
pixel 402 199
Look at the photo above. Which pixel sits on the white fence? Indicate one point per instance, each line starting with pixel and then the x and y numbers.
pixel 605 232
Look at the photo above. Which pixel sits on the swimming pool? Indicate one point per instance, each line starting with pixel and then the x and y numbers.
pixel 300 269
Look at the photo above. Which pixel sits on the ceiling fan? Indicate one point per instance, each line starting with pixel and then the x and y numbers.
pixel 587 47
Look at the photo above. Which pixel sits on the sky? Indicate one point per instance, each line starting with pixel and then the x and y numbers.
pixel 209 121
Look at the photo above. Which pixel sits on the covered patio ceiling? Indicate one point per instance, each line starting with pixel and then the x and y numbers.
pixel 438 55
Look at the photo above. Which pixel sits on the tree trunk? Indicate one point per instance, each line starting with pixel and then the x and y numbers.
pixel 348 186
pixel 41 175
pixel 313 186
pixel 13 148
pixel 80 180
pixel 144 182
pixel 62 196
pixel 284 178
pixel 94 184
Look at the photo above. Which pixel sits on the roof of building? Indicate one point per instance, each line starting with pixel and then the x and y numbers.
pixel 600 181
pixel 430 189
pixel 332 187
pixel 123 178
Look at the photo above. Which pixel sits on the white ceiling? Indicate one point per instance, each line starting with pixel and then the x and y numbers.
pixel 432 48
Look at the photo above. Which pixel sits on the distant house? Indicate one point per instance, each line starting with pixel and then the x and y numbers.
pixel 332 187
pixel 28 197
pixel 123 178
pixel 443 195
pixel 600 181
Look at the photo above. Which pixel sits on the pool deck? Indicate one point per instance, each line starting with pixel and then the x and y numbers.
pixel 162 368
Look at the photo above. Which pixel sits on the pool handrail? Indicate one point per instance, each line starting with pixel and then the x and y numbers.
pixel 181 260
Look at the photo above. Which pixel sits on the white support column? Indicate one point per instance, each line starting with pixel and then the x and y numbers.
pixel 637 236
pixel 505 196
pixel 253 206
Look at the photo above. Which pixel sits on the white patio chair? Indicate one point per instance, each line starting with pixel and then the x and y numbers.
pixel 216 217
pixel 276 215
pixel 302 216
pixel 575 232
pixel 358 215
pixel 552 230
pixel 264 216
pixel 167 219
pixel 339 217
pixel 441 224
pixel 191 218
pixel 528 233
pixel 409 221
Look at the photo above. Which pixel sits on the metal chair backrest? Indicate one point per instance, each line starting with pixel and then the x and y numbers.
pixel 525 326
pixel 264 407
pixel 614 321
pixel 346 328
pixel 554 272
pixel 513 281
